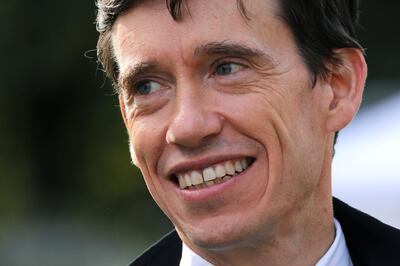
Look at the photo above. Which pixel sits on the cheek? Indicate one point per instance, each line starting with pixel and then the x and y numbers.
pixel 145 145
pixel 279 119
pixel 146 142
pixel 253 114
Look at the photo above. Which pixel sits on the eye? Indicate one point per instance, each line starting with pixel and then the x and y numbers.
pixel 146 87
pixel 228 68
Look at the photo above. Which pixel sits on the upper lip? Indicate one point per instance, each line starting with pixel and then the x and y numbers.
pixel 200 163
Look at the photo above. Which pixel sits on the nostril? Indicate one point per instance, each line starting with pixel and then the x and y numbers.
pixel 193 124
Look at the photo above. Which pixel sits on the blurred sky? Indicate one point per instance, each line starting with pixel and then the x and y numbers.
pixel 366 171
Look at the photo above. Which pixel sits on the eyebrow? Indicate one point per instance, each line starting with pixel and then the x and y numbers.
pixel 128 77
pixel 209 49
pixel 228 48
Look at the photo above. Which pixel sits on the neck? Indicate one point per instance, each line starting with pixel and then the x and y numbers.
pixel 312 236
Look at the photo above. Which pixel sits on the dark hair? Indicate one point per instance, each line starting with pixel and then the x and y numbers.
pixel 107 13
pixel 319 27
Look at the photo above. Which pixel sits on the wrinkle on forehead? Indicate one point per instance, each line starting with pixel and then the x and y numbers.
pixel 159 11
pixel 205 24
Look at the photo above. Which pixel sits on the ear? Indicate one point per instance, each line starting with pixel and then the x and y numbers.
pixel 347 83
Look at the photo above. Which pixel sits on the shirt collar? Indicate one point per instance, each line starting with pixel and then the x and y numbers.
pixel 189 258
pixel 337 254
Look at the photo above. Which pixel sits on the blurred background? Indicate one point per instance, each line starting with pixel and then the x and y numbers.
pixel 68 193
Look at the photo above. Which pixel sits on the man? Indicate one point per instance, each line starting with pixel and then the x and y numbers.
pixel 232 109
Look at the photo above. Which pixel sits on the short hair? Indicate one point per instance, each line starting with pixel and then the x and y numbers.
pixel 318 26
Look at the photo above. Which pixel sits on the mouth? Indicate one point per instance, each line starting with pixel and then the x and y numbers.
pixel 211 175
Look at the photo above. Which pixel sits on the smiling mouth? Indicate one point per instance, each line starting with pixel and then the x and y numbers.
pixel 212 175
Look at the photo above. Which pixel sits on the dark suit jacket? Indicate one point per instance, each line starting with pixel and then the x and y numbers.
pixel 370 242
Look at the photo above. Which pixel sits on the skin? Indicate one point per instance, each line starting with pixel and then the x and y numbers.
pixel 264 107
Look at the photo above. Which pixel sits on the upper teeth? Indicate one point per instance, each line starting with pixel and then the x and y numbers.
pixel 212 174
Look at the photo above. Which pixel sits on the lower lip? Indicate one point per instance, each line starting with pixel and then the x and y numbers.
pixel 207 193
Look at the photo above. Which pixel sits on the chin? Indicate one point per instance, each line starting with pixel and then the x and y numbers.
pixel 217 243
pixel 220 239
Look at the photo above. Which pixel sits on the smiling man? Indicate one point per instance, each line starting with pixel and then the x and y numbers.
pixel 232 109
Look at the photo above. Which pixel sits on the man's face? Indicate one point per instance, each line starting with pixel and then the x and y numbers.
pixel 215 90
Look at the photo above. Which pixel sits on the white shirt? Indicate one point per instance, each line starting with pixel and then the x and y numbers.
pixel 337 254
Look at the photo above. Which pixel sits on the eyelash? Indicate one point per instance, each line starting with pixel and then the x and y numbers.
pixel 135 84
pixel 225 62
pixel 135 90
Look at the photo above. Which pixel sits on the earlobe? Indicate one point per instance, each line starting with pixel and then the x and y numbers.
pixel 347 82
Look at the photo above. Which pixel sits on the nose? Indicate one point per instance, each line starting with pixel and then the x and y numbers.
pixel 194 119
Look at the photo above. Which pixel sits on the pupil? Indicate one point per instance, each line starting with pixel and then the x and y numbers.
pixel 225 69
pixel 144 88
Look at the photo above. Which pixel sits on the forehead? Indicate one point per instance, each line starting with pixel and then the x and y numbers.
pixel 148 29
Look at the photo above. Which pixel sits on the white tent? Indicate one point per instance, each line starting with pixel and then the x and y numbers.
pixel 366 167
